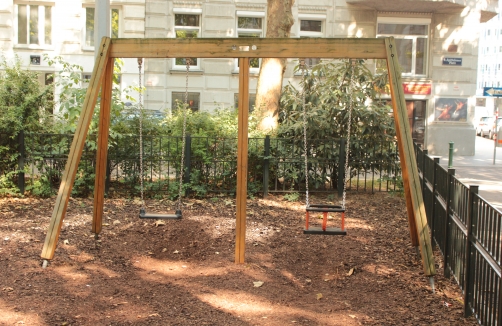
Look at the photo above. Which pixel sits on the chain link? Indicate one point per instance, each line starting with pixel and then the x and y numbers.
pixel 305 145
pixel 347 150
pixel 140 86
pixel 183 137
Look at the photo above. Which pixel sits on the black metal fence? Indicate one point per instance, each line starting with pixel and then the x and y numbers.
pixel 467 231
pixel 275 165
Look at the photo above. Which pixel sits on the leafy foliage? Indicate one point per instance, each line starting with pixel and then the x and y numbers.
pixel 332 89
pixel 24 105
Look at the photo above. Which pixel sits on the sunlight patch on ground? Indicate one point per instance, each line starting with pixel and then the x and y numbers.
pixel 248 306
pixel 173 268
pixel 10 317
pixel 71 274
pixel 240 304
pixel 379 270
pixel 292 278
pixel 82 257
pixel 102 270
pixel 285 204
pixel 355 223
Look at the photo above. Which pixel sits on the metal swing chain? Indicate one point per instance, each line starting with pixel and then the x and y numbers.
pixel 185 107
pixel 347 150
pixel 140 85
pixel 305 146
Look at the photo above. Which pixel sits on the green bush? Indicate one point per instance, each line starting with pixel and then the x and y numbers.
pixel 332 88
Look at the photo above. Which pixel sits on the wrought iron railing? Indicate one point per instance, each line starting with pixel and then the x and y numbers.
pixel 467 230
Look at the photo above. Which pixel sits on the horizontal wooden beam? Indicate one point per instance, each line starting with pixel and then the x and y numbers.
pixel 353 48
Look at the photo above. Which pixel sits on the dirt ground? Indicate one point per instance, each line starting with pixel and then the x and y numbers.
pixel 182 272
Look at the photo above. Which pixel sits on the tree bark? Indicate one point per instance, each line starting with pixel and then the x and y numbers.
pixel 268 93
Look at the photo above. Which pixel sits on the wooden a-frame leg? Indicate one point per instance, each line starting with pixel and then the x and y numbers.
pixel 409 167
pixel 102 148
pixel 242 161
pixel 75 152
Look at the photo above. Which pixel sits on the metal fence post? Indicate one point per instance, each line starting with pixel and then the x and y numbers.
pixel 266 166
pixel 425 153
pixel 446 249
pixel 188 162
pixel 470 263
pixel 341 168
pixel 432 218
pixel 20 162
pixel 108 175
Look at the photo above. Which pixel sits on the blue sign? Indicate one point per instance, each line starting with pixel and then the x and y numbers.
pixel 492 91
pixel 452 61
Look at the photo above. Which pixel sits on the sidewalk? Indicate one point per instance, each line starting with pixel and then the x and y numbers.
pixel 480 170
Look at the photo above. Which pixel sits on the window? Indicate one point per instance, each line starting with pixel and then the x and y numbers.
pixel 186 25
pixel 34 24
pixel 250 24
pixel 311 26
pixel 252 101
pixel 411 37
pixel 193 100
pixel 89 26
pixel 49 79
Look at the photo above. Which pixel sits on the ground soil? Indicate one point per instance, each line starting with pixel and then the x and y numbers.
pixel 182 272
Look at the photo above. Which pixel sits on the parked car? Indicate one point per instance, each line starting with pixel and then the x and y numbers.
pixel 485 126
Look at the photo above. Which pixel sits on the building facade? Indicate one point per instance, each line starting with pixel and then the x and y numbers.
pixel 489 67
pixel 437 40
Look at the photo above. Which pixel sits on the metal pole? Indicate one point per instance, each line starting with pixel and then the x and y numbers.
pixel 102 23
pixel 450 156
pixel 495 140
pixel 20 162
pixel 266 166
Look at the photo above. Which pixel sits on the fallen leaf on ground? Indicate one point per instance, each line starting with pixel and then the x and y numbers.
pixel 319 296
pixel 159 222
pixel 257 284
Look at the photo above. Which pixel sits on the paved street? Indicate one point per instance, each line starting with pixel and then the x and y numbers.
pixel 480 170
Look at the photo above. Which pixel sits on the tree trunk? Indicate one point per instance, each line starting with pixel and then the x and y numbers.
pixel 279 22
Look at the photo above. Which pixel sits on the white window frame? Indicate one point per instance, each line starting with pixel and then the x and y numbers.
pixel 84 21
pixel 182 95
pixel 309 34
pixel 41 25
pixel 187 11
pixel 251 14
pixel 410 21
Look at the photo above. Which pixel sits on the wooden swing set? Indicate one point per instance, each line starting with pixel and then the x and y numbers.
pixel 244 49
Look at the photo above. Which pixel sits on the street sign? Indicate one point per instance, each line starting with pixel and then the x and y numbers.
pixel 452 61
pixel 492 91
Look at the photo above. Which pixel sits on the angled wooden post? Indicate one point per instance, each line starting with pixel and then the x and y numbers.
pixel 242 161
pixel 76 152
pixel 409 167
pixel 102 147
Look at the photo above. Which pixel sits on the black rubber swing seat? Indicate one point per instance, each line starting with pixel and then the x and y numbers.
pixel 144 215
pixel 325 209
